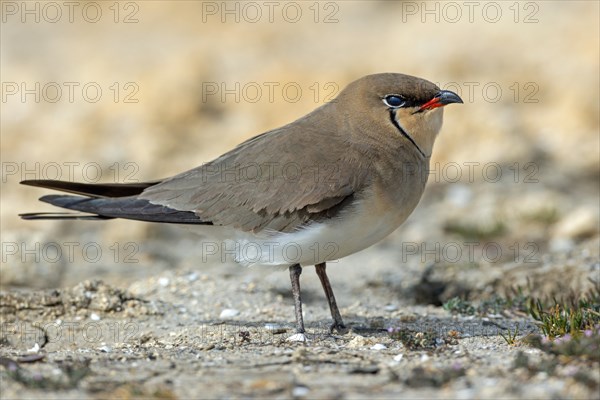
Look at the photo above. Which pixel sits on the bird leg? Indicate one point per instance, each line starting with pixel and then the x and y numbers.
pixel 338 324
pixel 295 271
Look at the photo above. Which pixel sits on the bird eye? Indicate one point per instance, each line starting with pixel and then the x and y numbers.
pixel 393 101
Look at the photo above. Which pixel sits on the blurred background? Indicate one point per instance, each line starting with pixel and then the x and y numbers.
pixel 133 91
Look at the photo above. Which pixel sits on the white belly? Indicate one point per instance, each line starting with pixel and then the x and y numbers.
pixel 348 233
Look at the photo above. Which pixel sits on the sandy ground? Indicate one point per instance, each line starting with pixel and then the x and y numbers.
pixel 131 310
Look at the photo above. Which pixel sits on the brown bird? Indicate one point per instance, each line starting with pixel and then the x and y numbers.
pixel 323 187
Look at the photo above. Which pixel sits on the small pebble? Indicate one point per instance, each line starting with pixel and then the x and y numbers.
pixel 581 223
pixel 163 282
pixel 300 391
pixel 378 346
pixel 192 277
pixel 94 317
pixel 275 328
pixel 297 337
pixel 357 341
pixel 228 313
pixel 34 349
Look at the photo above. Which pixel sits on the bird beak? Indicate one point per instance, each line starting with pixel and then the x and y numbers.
pixel 442 98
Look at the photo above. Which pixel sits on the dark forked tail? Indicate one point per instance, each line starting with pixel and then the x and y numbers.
pixel 107 201
pixel 93 189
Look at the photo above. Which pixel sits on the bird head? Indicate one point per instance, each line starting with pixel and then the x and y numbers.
pixel 397 106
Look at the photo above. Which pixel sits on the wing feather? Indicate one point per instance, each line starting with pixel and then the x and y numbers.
pixel 271 181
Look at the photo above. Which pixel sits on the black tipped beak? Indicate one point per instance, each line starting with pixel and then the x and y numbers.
pixel 441 98
pixel 448 97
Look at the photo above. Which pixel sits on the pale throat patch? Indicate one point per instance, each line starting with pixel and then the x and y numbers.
pixel 422 128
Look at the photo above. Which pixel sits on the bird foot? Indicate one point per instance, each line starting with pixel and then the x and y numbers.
pixel 339 328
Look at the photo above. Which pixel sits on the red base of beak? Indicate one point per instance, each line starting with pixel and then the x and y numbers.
pixel 431 104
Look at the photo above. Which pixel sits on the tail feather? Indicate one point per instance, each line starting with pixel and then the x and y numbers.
pixel 120 207
pixel 61 216
pixel 107 201
pixel 93 189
